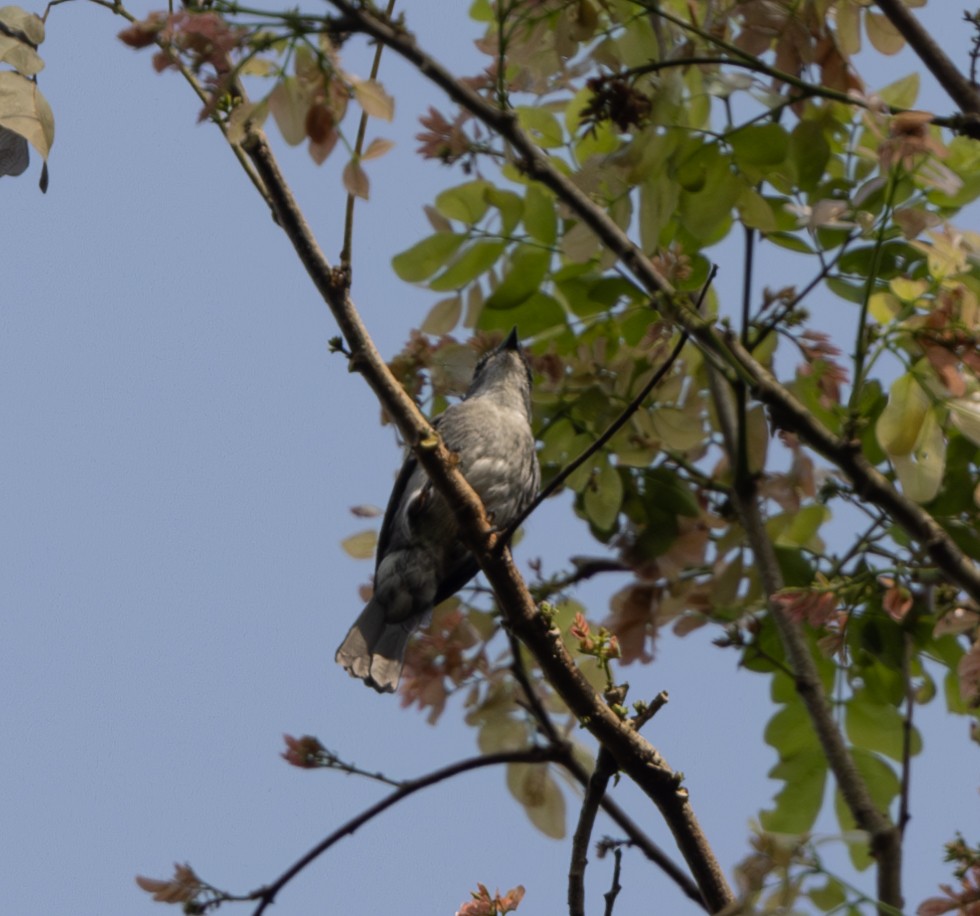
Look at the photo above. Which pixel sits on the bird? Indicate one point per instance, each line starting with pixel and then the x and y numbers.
pixel 421 559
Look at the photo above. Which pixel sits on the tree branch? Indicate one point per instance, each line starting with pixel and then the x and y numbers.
pixel 605 768
pixel 959 88
pixel 885 839
pixel 635 756
pixel 267 895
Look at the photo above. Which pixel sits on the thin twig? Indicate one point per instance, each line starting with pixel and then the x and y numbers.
pixel 345 252
pixel 907 730
pixel 267 895
pixel 605 769
pixel 613 892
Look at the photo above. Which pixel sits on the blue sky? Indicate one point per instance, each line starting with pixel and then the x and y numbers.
pixel 178 458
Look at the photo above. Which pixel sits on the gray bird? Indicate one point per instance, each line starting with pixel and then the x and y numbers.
pixel 421 559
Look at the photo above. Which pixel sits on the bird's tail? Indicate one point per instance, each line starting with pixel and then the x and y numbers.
pixel 374 649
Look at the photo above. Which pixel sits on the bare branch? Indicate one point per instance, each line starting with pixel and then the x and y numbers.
pixel 960 90
pixel 267 895
pixel 605 768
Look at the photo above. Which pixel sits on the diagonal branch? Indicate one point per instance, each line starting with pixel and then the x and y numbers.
pixel 960 90
pixel 634 754
pixel 885 839
pixel 605 768
pixel 267 895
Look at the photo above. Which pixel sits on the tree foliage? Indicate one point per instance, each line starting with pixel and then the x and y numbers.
pixel 803 479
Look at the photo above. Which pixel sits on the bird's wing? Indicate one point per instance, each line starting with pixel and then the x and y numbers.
pixel 394 501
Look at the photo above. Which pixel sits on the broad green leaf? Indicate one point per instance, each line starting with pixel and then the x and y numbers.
pixel 424 258
pixel 25 111
pixel 524 276
pixel 883 307
pixel 536 315
pixel 902 93
pixel 533 786
pixel 474 260
pixel 921 471
pixel 510 205
pixel 540 217
pixel 542 125
pixel 443 316
pixel 810 152
pixel 901 421
pixel 798 803
pixel 676 429
pixel 877 726
pixel 658 202
pixel 790 732
pixel 755 211
pixel 603 497
pixel 466 203
pixel 361 546
pixel 759 144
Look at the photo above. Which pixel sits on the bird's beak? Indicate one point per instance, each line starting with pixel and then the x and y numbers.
pixel 512 342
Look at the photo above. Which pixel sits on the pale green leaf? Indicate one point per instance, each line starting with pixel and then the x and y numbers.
pixel 466 203
pixel 289 103
pixel 965 414
pixel 443 316
pixel 921 471
pixel 533 786
pixel 22 57
pixel 424 258
pixel 361 546
pixel 542 125
pixel 26 112
pixel 603 497
pixel 901 421
pixel 355 180
pixel 474 260
pixel 882 34
pixel 371 96
pixel 878 726
pixel 902 93
pixel 540 218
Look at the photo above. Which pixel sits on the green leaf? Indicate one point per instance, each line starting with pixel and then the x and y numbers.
pixel 759 144
pixel 533 786
pixel 525 273
pixel 877 726
pixel 443 316
pixel 921 471
pixel 883 785
pixel 658 202
pixel 510 205
pixel 474 260
pixel 901 421
pixel 809 152
pixel 798 803
pixel 424 258
pixel 542 125
pixel 289 103
pixel 536 315
pixel 790 241
pixel 540 218
pixel 466 203
pixel 603 497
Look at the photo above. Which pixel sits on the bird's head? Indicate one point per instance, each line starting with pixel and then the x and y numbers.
pixel 504 373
